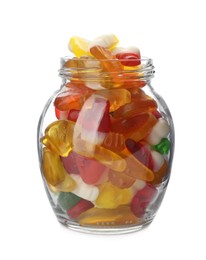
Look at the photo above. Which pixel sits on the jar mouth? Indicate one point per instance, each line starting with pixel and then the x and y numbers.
pixel 94 71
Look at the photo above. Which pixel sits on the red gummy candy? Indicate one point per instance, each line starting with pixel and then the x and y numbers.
pixel 70 164
pixel 140 152
pixel 91 171
pixel 129 58
pixel 142 199
pixel 79 208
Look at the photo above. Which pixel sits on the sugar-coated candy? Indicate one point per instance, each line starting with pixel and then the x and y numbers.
pixel 136 127
pixel 142 199
pixel 136 107
pixel 93 121
pixel 67 200
pixel 79 46
pixel 135 168
pixel 111 196
pixel 116 98
pixel 58 137
pixel 114 142
pixel 70 164
pixel 120 216
pixel 141 152
pixel 54 172
pixel 91 170
pixel 81 206
pixel 108 41
pixel 158 160
pixel 83 190
pixel 163 147
pixel 159 131
pixel 120 179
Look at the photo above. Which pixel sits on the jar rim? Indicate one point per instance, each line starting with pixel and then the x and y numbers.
pixel 145 70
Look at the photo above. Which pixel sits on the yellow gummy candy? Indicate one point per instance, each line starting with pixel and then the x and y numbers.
pixel 54 172
pixel 108 217
pixel 111 197
pixel 58 137
pixel 79 46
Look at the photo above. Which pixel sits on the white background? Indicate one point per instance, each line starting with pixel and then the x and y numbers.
pixel 33 36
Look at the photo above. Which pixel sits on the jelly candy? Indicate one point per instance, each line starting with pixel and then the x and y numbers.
pixel 108 62
pixel 108 41
pixel 83 190
pixel 119 50
pixel 91 171
pixel 121 180
pixel 136 107
pixel 61 115
pixel 105 156
pixel 55 173
pixel 116 98
pixel 160 174
pixel 140 152
pixel 73 97
pixel 163 147
pixel 58 137
pixel 52 168
pixel 69 163
pixel 142 199
pixel 79 46
pixel 111 196
pixel 129 58
pixel 80 207
pixel 159 131
pixel 157 114
pixel 114 142
pixel 108 217
pixel 93 121
pixel 158 160
pixel 67 185
pixel 135 168
pixel 136 127
pixel 67 200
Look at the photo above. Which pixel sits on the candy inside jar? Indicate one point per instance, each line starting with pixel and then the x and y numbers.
pixel 105 139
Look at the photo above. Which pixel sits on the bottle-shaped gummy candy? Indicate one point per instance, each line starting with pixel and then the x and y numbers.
pixel 105 139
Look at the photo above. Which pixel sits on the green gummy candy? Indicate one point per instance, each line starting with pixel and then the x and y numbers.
pixel 163 147
pixel 67 200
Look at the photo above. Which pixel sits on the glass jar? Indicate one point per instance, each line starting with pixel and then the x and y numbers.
pixel 105 144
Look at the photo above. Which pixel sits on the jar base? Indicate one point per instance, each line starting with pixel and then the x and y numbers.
pixel 103 230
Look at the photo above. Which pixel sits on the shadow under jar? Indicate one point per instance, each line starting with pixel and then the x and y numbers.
pixel 105 143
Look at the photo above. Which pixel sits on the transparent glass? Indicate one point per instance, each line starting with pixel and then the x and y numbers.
pixel 105 144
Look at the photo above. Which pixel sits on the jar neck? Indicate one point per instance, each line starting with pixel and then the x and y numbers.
pixel 90 72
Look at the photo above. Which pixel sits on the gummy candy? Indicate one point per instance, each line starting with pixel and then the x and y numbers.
pixel 142 199
pixel 136 127
pixel 136 107
pixel 54 171
pixel 114 142
pixel 140 152
pixel 91 171
pixel 163 147
pixel 121 180
pixel 81 206
pixel 159 131
pixel 129 58
pixel 160 174
pixel 79 46
pixel 69 163
pixel 108 217
pixel 116 98
pixel 83 190
pixel 108 41
pixel 111 196
pixel 67 200
pixel 58 137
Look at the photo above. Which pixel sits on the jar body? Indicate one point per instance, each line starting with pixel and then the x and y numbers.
pixel 105 155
